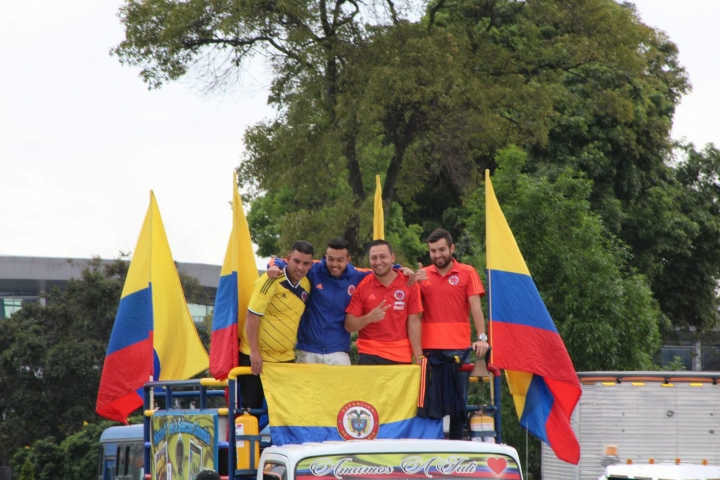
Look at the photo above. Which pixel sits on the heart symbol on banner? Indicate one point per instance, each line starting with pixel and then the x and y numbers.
pixel 497 465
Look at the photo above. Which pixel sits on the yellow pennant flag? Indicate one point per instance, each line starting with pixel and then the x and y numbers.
pixel 379 216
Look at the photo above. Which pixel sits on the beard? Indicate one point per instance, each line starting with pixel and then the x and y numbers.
pixel 442 262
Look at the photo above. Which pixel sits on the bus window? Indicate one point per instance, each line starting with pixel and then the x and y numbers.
pixel 110 467
pixel 127 460
pixel 118 460
pixel 101 462
pixel 138 461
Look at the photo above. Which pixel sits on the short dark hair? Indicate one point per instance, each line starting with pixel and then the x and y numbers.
pixel 375 243
pixel 208 475
pixel 439 234
pixel 339 244
pixel 303 247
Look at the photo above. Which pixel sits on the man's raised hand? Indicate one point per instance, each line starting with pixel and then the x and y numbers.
pixel 421 274
pixel 378 313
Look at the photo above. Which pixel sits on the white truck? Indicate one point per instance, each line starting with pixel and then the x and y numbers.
pixel 663 425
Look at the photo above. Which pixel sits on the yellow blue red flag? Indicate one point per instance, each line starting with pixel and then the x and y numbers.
pixel 153 334
pixel 237 277
pixel 525 342
pixel 344 403
pixel 378 214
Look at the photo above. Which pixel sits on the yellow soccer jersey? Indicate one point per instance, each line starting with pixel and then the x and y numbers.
pixel 280 305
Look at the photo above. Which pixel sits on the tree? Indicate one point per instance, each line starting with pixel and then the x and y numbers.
pixel 26 473
pixel 81 452
pixel 426 104
pixel 306 41
pixel 576 264
pixel 675 232
pixel 75 458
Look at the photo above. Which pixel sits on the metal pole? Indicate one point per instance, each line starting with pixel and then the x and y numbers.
pixel 232 461
pixel 498 421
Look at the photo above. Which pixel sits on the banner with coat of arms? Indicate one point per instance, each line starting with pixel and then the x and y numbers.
pixel 314 403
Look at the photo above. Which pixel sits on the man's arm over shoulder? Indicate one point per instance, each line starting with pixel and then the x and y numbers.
pixel 280 264
pixel 364 272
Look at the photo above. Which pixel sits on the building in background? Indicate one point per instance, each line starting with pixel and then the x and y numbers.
pixel 25 279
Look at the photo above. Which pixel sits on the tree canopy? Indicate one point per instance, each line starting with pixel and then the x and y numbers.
pixel 426 94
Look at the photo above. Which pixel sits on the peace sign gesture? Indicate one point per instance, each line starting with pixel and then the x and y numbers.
pixel 377 313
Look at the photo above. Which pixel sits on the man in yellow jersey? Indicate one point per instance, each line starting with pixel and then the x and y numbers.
pixel 272 320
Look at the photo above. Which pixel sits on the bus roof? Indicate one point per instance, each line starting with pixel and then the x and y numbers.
pixel 117 434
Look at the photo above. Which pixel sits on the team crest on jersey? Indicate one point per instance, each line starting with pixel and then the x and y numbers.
pixel 304 296
pixel 358 421
pixel 453 280
pixel 351 290
pixel 399 295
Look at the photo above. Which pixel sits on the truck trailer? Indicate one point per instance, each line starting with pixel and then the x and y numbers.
pixel 650 418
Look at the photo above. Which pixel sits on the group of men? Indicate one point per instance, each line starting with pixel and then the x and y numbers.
pixel 400 315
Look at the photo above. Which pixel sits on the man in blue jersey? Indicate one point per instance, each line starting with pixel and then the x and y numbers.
pixel 322 337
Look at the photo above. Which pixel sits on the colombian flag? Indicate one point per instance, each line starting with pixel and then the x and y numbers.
pixel 153 335
pixel 331 402
pixel 237 278
pixel 378 214
pixel 526 343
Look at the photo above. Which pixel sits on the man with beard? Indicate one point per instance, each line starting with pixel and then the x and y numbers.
pixel 450 292
pixel 385 311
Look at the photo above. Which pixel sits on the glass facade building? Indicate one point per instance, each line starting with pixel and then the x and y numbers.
pixel 26 279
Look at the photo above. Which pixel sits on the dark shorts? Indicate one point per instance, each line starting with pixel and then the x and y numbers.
pixel 250 387
pixel 367 359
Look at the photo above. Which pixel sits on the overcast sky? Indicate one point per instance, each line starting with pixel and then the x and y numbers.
pixel 82 140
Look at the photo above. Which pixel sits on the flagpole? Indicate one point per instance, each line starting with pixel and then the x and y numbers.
pixel 494 381
pixel 487 255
